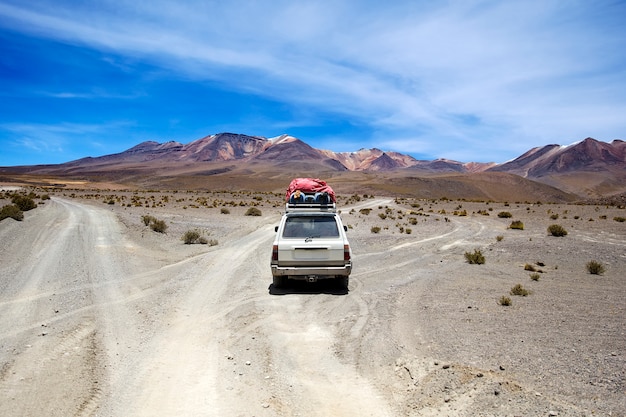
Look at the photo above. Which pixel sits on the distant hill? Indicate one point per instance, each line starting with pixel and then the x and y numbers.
pixel 590 167
pixel 586 169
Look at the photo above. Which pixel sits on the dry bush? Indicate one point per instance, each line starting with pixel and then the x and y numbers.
pixel 193 236
pixel 557 230
pixel 159 226
pixel 23 202
pixel 475 258
pixel 505 301
pixel 595 268
pixel 253 211
pixel 519 290
pixel 517 224
pixel 154 223
pixel 11 211
pixel 147 219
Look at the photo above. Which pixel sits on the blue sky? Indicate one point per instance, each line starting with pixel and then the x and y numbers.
pixel 467 80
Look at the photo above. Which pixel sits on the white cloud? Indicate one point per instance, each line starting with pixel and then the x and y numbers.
pixel 463 75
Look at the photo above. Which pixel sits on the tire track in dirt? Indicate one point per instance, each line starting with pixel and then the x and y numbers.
pixel 299 333
pixel 64 309
pixel 48 347
pixel 289 341
pixel 177 371
pixel 409 261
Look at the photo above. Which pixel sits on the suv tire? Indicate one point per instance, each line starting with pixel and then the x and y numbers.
pixel 279 281
pixel 344 282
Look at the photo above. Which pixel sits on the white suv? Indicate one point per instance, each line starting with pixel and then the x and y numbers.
pixel 311 244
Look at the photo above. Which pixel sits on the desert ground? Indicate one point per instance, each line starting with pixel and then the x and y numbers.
pixel 102 316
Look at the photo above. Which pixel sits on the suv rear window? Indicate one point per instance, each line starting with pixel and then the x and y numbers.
pixel 310 226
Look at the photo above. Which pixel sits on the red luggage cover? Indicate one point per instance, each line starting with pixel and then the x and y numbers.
pixel 310 185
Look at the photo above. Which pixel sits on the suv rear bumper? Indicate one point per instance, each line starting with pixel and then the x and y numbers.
pixel 296 272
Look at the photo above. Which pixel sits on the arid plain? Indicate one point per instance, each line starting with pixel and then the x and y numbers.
pixel 102 316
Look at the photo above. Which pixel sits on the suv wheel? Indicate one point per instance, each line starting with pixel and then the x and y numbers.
pixel 344 282
pixel 279 281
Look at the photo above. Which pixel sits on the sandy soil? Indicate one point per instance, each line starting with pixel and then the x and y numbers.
pixel 101 316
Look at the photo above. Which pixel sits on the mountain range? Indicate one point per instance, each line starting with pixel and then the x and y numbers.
pixel 589 168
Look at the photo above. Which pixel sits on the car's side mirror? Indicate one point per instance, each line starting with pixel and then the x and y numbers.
pixel 275 228
pixel 345 228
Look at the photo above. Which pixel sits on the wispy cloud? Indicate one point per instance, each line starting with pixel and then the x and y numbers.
pixel 69 139
pixel 91 95
pixel 473 80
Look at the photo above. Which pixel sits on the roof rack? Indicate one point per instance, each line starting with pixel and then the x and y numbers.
pixel 330 207
pixel 310 202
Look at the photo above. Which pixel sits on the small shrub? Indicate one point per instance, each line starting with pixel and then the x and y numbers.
pixel 595 268
pixel 535 276
pixel 253 211
pixel 11 211
pixel 191 237
pixel 529 267
pixel 505 301
pixel 147 219
pixel 554 216
pixel 224 210
pixel 519 290
pixel 383 216
pixel 505 215
pixel 158 226
pixel 619 219
pixel 499 238
pixel 408 231
pixel 23 202
pixel 557 230
pixel 375 229
pixel 517 224
pixel 475 258
pixel 365 211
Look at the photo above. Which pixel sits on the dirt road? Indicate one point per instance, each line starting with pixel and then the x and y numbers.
pixel 97 320
pixel 92 327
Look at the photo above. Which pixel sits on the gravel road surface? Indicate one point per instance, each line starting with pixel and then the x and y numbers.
pixel 100 316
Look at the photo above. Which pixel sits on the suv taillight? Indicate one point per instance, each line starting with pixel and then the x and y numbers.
pixel 346 252
pixel 275 253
